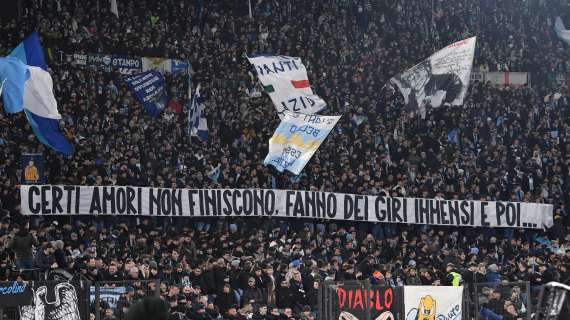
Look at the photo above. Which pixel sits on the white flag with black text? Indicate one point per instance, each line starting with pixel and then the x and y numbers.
pixel 441 79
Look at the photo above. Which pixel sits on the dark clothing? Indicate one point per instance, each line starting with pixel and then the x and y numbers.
pixel 43 261
pixel 22 245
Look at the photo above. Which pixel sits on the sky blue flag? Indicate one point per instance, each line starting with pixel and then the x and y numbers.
pixel 31 53
pixel 47 131
pixel 197 122
pixel 14 74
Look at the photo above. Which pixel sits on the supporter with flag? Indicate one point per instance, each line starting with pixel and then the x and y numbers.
pixel 441 79
pixel 35 95
pixel 197 122
pixel 286 82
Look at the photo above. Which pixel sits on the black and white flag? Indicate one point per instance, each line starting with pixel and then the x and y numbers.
pixel 441 79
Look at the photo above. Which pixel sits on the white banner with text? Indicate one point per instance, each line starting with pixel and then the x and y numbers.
pixel 201 203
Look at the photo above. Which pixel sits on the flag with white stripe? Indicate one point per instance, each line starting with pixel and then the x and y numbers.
pixel 197 122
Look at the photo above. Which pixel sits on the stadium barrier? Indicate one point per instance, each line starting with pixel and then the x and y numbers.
pixel 361 300
pixel 115 297
pixel 57 299
pixel 497 300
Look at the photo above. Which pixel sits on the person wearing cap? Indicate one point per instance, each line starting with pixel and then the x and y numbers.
pixel 452 277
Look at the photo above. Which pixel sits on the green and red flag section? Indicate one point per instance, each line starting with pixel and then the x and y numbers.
pixel 300 84
pixel 269 88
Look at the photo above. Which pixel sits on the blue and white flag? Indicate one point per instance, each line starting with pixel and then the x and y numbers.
pixel 149 89
pixel 296 140
pixel 38 99
pixel 13 74
pixel 561 31
pixel 197 122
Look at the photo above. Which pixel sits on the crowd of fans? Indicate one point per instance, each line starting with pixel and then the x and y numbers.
pixel 505 143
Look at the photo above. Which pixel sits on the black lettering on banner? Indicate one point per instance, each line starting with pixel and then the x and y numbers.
pixel 395 208
pixel 453 208
pixel 484 221
pixel 348 207
pixel 442 207
pixel 109 196
pixel 357 208
pixel 209 200
pixel 165 204
pixel 139 192
pixel 288 203
pixel 511 212
pixel 258 202
pixel 310 204
pixel 380 213
pixel 238 209
pixel 500 211
pixel 77 196
pixel 269 202
pixel 247 202
pixel 95 207
pixel 465 213
pixel 228 206
pixel 69 191
pixel 35 207
pixel 424 211
pixel 56 195
pixel 201 201
pixel 218 203
pixel 299 205
pixel 154 201
pixel 177 202
pixel 130 198
pixel 405 210
pixel 191 201
pixel 331 206
pixel 321 204
pixel 518 214
pixel 121 200
pixel 434 211
pixel 45 202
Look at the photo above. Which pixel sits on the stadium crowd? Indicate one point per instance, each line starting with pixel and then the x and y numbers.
pixel 505 143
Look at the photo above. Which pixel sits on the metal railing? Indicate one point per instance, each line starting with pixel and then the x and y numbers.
pixel 115 297
pixel 504 299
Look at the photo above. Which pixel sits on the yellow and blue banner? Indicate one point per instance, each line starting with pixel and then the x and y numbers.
pixel 296 139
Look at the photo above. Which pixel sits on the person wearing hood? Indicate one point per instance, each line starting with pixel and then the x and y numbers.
pixel 493 275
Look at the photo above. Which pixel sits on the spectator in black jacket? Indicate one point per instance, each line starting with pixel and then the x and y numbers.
pixel 226 299
pixel 45 260
pixel 252 294
pixel 22 243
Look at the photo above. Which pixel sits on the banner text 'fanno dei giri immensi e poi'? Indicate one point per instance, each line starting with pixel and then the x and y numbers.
pixel 139 201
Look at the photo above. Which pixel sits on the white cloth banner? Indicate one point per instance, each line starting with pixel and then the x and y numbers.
pixel 441 79
pixel 286 82
pixel 296 140
pixel 139 201
pixel 427 302
pixel 561 31
pixel 38 94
